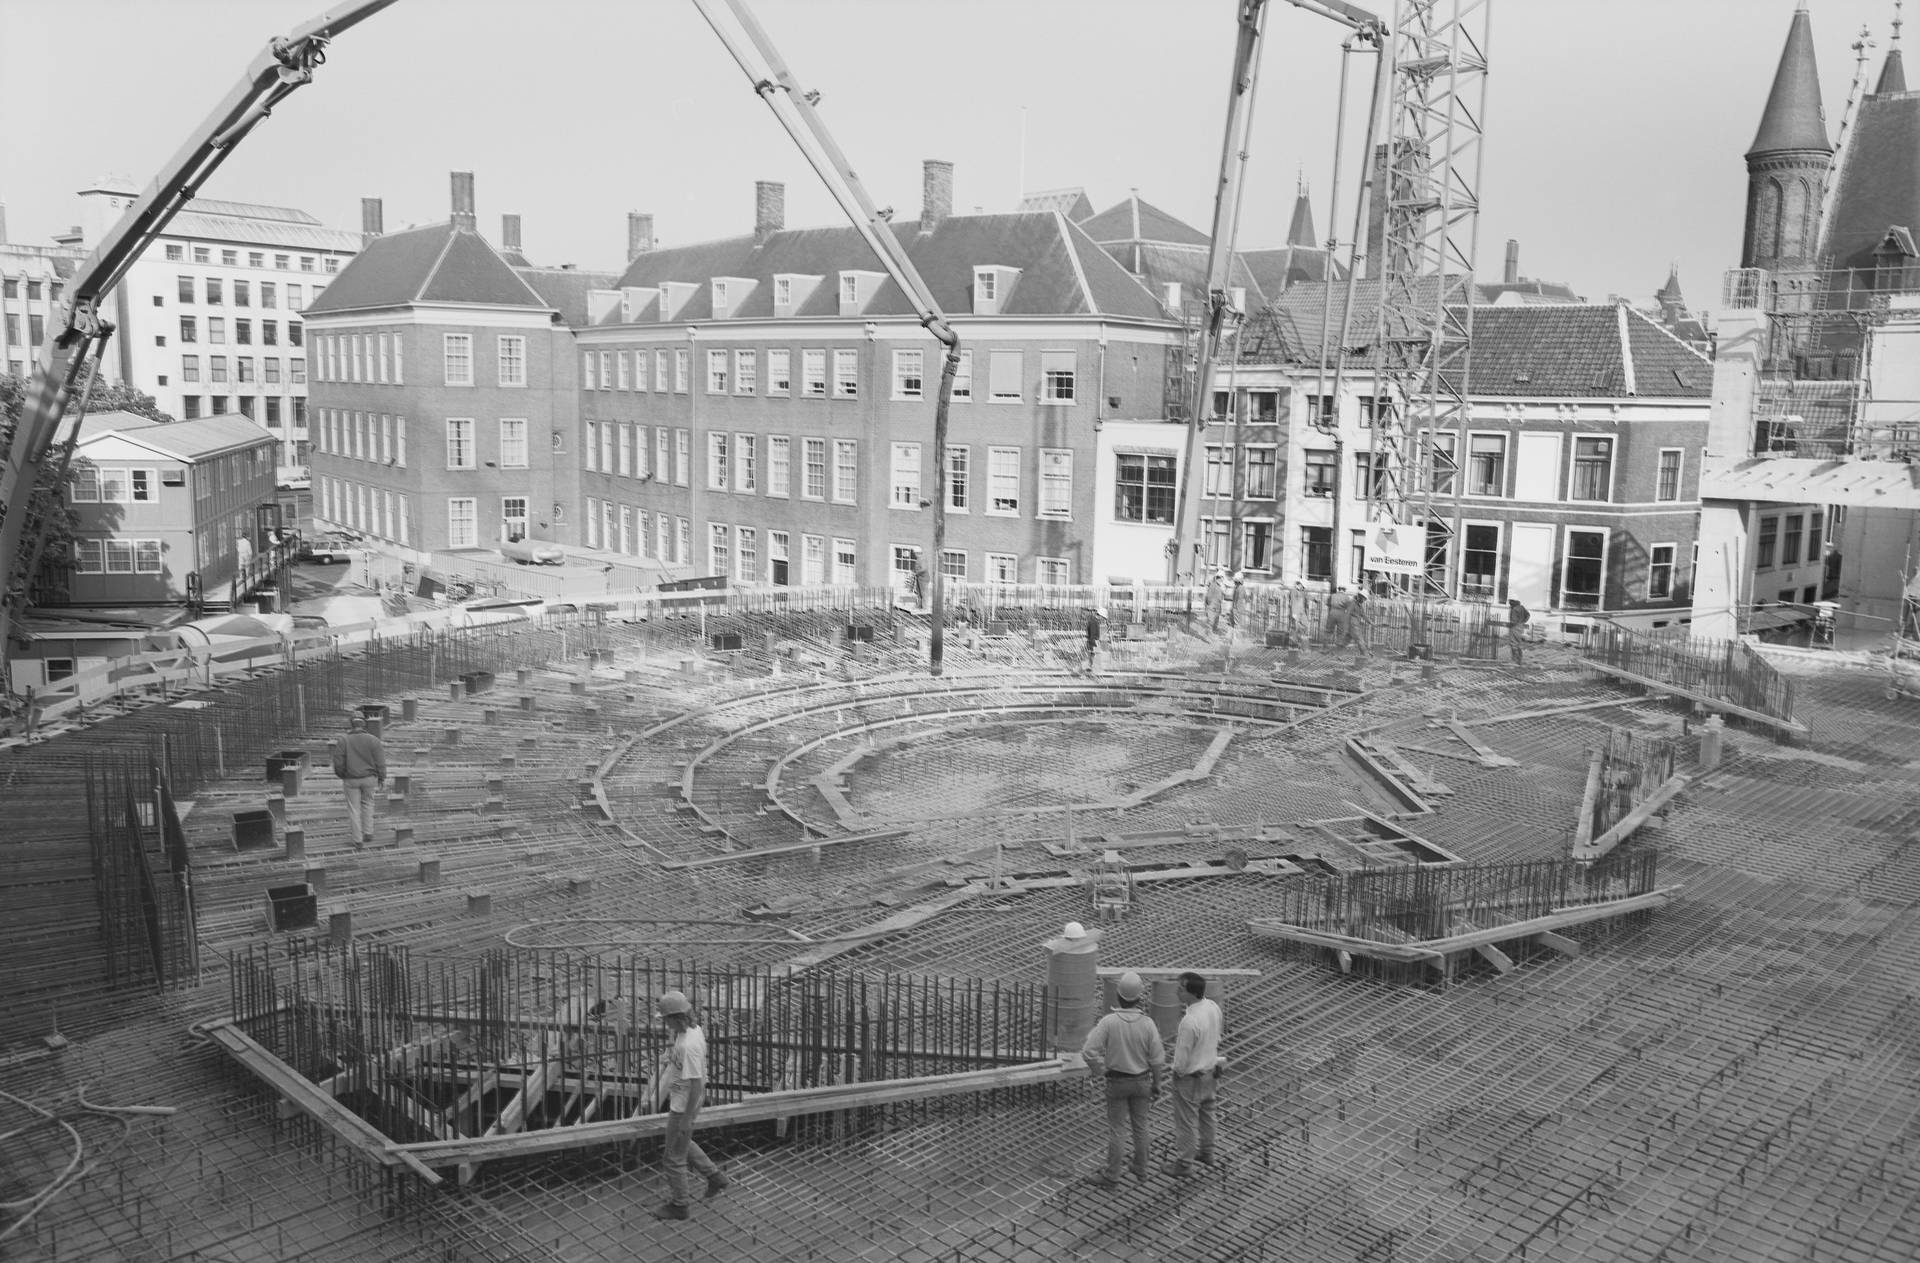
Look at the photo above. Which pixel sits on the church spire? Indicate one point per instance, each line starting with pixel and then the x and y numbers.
pixel 1794 119
pixel 1893 73
pixel 1300 232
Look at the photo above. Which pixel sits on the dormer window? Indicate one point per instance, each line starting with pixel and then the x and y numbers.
pixel 857 289
pixel 783 291
pixel 986 285
pixel 992 287
pixel 719 297
pixel 849 288
pixel 792 290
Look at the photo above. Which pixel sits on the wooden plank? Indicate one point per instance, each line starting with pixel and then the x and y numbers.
pixel 1583 827
pixel 771 1106
pixel 1548 939
pixel 1495 957
pixel 1634 819
pixel 733 857
pixel 1342 942
pixel 1705 699
pixel 1148 971
pixel 903 920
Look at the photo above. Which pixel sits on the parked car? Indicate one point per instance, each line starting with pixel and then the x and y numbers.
pixel 329 547
pixel 534 552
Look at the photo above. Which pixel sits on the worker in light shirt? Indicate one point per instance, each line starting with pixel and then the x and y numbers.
pixel 1196 1066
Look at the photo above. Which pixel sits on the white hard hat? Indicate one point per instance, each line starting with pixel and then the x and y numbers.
pixel 1130 987
pixel 1074 930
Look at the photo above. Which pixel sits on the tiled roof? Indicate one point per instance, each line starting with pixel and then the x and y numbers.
pixel 1576 351
pixel 565 289
pixel 1527 290
pixel 1879 179
pixel 1138 220
pixel 1156 264
pixel 1061 271
pixel 1794 118
pixel 435 264
pixel 1278 270
pixel 208 436
pixel 1300 310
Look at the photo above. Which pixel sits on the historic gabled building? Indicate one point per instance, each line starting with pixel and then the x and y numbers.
pixel 762 406
pixel 445 397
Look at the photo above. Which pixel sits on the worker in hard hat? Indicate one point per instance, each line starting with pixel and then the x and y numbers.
pixel 680 1085
pixel 1196 1063
pixel 1124 1048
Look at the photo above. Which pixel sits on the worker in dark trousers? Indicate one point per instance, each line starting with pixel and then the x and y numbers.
pixel 1125 1051
pixel 1095 621
pixel 360 761
pixel 1518 616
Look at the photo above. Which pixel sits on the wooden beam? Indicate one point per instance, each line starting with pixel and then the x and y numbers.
pixel 1634 819
pixel 1705 699
pixel 734 857
pixel 899 921
pixel 776 1105
pixel 1556 942
pixel 1583 826
pixel 1495 957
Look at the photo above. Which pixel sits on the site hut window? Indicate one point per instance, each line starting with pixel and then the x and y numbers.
pixel 1143 488
pixel 719 548
pixel 1053 571
pixel 1056 377
pixel 716 372
pixel 746 463
pixel 1660 572
pixel 457 353
pixel 846 471
pixel 1592 469
pixel 1667 483
pixel 779 465
pixel 84 483
pixel 1480 560
pixel 906 476
pixel 717 472
pixel 1003 567
pixel 460 443
pixel 1486 464
pixel 746 372
pixel 813 374
pixel 89 556
pixel 963 379
pixel 959 474
pixel 1318 468
pixel 845 569
pixel 120 554
pixel 846 374
pixel 780 371
pixel 909 379
pixel 513 442
pixel 1583 571
pixel 1056 483
pixel 1790 544
pixel 1769 538
pixel 511 350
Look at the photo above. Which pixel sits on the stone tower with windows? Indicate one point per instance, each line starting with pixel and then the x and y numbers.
pixel 1788 163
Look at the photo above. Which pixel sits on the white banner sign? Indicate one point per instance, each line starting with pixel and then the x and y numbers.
pixel 1395 549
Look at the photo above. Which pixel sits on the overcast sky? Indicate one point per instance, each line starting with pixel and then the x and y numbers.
pixel 1615 128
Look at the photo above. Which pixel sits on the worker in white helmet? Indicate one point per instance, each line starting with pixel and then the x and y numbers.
pixel 680 1085
pixel 1124 1048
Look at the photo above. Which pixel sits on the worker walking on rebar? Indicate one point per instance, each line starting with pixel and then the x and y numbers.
pixel 360 761
pixel 1518 616
pixel 1196 1064
pixel 681 1086
pixel 1124 1048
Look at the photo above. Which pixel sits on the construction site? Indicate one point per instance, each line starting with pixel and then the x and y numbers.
pixel 1517 961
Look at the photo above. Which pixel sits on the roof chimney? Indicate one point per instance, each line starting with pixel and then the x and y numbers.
pixel 373 219
pixel 936 193
pixel 769 208
pixel 639 234
pixel 463 201
pixel 510 233
pixel 1512 275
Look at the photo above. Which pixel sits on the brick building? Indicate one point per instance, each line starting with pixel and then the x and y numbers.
pixel 762 406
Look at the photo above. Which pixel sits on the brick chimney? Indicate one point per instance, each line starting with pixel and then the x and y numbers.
pixel 639 234
pixel 373 219
pixel 463 201
pixel 769 208
pixel 510 233
pixel 1512 275
pixel 936 193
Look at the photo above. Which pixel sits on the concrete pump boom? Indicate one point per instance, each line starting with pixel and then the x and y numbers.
pixel 285 64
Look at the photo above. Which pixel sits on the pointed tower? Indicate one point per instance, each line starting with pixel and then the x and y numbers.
pixel 1673 304
pixel 1788 162
pixel 1893 74
pixel 1300 231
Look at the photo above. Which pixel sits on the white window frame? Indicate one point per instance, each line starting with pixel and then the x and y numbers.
pixel 623 454
pixel 592 446
pixel 846 471
pixel 660 371
pixel 680 366
pixel 510 351
pixel 846 373
pixel 623 366
pixel 813 455
pixel 746 372
pixel 1053 572
pixel 845 559
pixel 813 374
pixel 1059 372
pixel 813 560
pixel 719 548
pixel 1503 545
pixel 456 357
pixel 746 554
pixel 89 556
pixel 963 378
pixel 1056 484
pixel 909 374
pixel 662 453
pixel 513 442
pixel 1465 471
pixel 460 435
pixel 718 469
pixel 904 477
pixel 746 463
pixel 779 371
pixel 1573 465
pixel 1653 565
pixel 959 478
pixel 718 372
pixel 1679 474
pixel 1566 555
pixel 1003 357
pixel 779 465
pixel 455 522
pixel 682 457
pixel 588 380
pixel 996 477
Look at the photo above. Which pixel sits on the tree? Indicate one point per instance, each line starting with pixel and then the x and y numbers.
pixel 46 504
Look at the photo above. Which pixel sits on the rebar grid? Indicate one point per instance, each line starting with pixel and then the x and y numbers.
pixel 1727 1078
